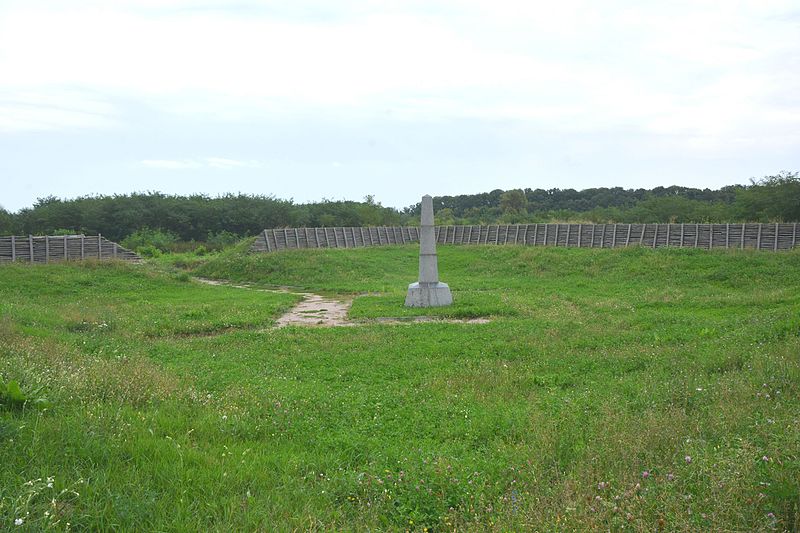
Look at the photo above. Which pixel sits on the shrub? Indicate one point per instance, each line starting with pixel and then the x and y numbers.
pixel 148 251
pixel 221 239
pixel 144 237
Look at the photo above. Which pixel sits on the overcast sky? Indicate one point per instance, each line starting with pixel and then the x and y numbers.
pixel 340 99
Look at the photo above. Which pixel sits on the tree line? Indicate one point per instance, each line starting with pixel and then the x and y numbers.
pixel 202 218
pixel 769 199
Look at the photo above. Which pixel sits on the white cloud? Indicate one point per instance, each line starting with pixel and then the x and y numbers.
pixel 690 68
pixel 46 108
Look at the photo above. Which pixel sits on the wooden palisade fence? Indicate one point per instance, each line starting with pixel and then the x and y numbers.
pixel 705 236
pixel 44 249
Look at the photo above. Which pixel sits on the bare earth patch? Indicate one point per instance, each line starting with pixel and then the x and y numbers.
pixel 316 310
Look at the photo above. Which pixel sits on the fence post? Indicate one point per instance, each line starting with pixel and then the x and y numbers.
pixel 775 248
pixel 603 236
pixel 628 236
pixel 99 246
pixel 696 234
pixel 758 239
pixel 727 236
pixel 30 246
pixel 655 236
pixel 744 229
pixel 594 230
pixel 580 234
pixel 669 226
pixel 46 248
pixel 682 233
pixel 266 241
pixel 83 239
pixel 544 243
pixel 556 240
pixel 794 234
pixel 535 233
pixel 614 237
pixel 13 248
pixel 65 248
pixel 710 236
pixel 641 237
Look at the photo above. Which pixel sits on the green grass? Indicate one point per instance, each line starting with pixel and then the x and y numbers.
pixel 177 407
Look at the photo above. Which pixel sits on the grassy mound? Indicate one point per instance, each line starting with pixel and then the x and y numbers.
pixel 638 388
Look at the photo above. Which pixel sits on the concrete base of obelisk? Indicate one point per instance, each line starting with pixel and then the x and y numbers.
pixel 428 295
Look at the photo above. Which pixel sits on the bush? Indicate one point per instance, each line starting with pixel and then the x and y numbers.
pixel 221 239
pixel 146 237
pixel 148 251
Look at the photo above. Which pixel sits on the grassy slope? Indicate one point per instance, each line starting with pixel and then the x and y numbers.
pixel 599 364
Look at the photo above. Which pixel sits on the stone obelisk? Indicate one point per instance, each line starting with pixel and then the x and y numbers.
pixel 428 291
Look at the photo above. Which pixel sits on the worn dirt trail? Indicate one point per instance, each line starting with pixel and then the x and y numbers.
pixel 316 310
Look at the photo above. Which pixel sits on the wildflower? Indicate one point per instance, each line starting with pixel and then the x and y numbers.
pixel 771 516
pixel 688 459
pixel 645 474
pixel 670 477
pixel 765 459
pixel 18 521
pixel 602 485
pixel 224 417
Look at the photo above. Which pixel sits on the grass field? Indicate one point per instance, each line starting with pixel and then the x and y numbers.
pixel 613 389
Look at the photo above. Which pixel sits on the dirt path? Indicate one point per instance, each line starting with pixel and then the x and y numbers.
pixel 320 311
pixel 316 310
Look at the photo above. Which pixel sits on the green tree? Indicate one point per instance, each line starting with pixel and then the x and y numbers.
pixel 772 198
pixel 7 222
pixel 513 201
